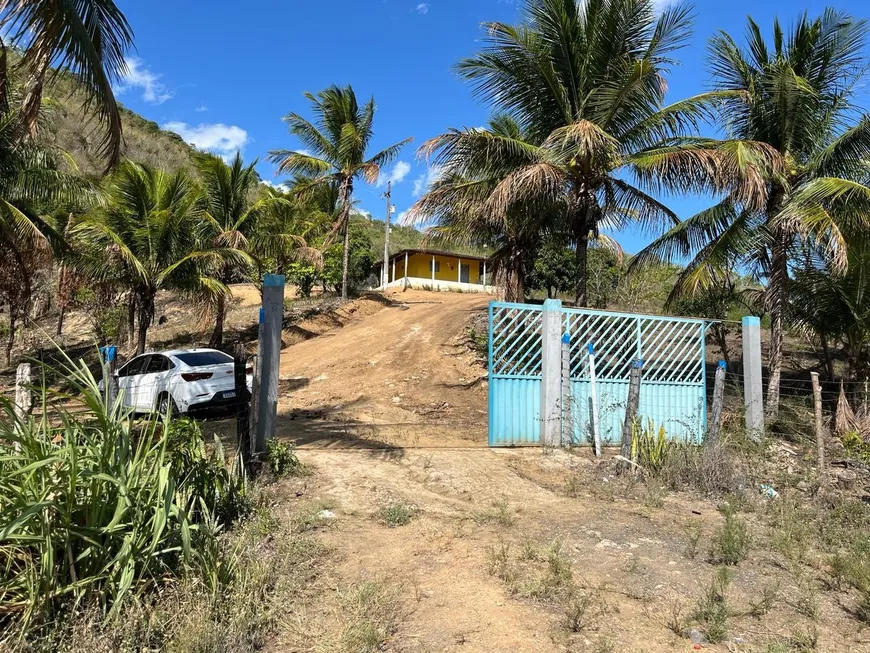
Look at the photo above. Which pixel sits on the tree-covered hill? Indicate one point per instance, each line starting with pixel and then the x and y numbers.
pixel 67 127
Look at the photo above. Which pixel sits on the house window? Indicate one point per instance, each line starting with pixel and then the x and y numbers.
pixel 437 265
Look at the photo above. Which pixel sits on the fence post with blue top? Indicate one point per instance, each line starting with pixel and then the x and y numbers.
pixel 752 392
pixel 551 374
pixel 271 321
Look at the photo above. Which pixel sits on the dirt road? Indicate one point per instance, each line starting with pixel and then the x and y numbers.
pixel 394 375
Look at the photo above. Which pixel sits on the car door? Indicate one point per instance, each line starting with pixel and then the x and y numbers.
pixel 128 376
pixel 151 381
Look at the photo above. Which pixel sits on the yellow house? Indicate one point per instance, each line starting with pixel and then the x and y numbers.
pixel 435 270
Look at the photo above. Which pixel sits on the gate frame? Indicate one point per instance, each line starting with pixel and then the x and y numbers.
pixel 551 372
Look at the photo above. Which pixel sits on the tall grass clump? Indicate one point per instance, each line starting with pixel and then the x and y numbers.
pixel 97 509
pixel 708 468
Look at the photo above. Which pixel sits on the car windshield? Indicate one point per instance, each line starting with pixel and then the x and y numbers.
pixel 200 358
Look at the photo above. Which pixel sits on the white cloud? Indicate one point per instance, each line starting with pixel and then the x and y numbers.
pixel 422 8
pixel 282 186
pixel 139 76
pixel 201 108
pixel 422 183
pixel 221 139
pixel 396 175
pixel 304 152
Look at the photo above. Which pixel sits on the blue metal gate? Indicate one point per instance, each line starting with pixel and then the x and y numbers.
pixel 673 390
pixel 515 373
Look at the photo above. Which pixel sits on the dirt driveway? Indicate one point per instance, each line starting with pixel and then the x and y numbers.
pixel 398 375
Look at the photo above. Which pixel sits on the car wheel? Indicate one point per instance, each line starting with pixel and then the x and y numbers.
pixel 166 406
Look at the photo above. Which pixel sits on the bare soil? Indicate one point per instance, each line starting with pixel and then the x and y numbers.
pixel 388 408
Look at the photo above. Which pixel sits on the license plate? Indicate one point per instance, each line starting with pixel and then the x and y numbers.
pixel 229 394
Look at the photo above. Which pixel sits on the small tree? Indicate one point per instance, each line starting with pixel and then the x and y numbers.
pixel 555 269
pixel 303 275
pixel 359 260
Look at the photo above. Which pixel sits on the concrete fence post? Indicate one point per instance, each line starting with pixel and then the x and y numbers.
pixel 551 373
pixel 752 386
pixel 271 318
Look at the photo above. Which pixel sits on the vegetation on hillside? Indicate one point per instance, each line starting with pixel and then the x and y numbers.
pixel 339 139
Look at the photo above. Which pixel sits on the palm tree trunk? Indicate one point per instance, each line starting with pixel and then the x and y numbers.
pixel 776 302
pixel 344 260
pixel 217 335
pixel 131 318
pixel 346 193
pixel 829 362
pixel 146 316
pixel 777 289
pixel 10 339
pixel 581 255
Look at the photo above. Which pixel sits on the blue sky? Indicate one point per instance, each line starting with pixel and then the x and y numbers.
pixel 223 73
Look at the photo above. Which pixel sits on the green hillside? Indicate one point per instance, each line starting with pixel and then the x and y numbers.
pixel 68 127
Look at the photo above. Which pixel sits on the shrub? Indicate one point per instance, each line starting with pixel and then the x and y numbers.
pixel 398 514
pixel 100 509
pixel 282 458
pixel 731 542
pixel 712 609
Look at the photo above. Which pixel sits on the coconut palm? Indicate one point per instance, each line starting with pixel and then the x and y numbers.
pixel 89 38
pixel 338 140
pixel 146 240
pixel 796 96
pixel 585 81
pixel 31 178
pixel 231 218
pixel 834 307
pixel 497 187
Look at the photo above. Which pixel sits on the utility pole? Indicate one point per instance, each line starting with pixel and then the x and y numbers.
pixel 385 274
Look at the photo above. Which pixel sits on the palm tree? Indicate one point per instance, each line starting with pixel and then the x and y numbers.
pixel 834 306
pixel 496 186
pixel 796 96
pixel 31 178
pixel 230 218
pixel 88 38
pixel 472 163
pixel 338 141
pixel 146 240
pixel 585 82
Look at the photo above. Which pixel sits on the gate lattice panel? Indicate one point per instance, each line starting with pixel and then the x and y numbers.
pixel 673 390
pixel 515 360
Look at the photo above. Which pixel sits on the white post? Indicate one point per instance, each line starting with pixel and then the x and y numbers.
pixel 551 373
pixel 484 272
pixel 752 387
pixel 593 400
pixel 406 269
pixel 394 269
pixel 23 396
pixel 433 267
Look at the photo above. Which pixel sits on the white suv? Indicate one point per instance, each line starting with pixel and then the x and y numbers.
pixel 180 380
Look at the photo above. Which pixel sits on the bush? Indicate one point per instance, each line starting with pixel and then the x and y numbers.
pixel 708 468
pixel 398 514
pixel 731 542
pixel 282 458
pixel 712 609
pixel 100 509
